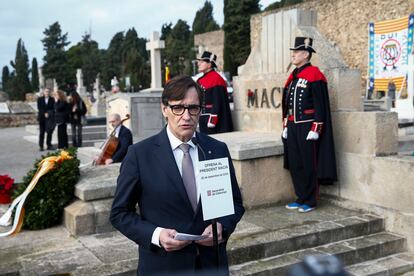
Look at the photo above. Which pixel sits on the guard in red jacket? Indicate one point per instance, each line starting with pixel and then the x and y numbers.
pixel 216 115
pixel 307 129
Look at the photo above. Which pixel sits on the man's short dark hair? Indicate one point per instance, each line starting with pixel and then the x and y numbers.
pixel 310 56
pixel 177 87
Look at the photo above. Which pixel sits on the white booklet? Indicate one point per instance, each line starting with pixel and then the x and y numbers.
pixel 189 237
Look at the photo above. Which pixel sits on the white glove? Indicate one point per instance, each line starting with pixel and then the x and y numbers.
pixel 284 133
pixel 312 135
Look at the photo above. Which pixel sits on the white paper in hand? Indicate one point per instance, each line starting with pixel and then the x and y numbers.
pixel 189 237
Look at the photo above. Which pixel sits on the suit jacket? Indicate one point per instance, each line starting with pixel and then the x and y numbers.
pixel 44 108
pixel 125 140
pixel 149 176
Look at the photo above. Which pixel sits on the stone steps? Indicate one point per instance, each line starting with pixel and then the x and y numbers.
pixel 267 244
pixel 351 251
pixel 396 264
pixel 89 214
pixel 406 143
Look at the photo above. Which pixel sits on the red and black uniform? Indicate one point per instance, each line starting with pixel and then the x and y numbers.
pixel 216 115
pixel 305 107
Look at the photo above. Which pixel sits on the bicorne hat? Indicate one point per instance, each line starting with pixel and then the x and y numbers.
pixel 304 44
pixel 208 57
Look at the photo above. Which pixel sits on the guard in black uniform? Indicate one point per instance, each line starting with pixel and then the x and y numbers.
pixel 307 128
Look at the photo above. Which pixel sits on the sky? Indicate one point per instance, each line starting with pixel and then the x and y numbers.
pixel 27 19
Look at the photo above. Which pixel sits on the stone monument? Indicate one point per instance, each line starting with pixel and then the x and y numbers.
pixel 144 106
pixel 371 174
pixel 42 83
pixel 98 106
pixel 79 81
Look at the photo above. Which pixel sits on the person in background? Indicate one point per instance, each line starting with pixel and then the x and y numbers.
pixel 309 152
pixel 124 136
pixel 61 118
pixel 391 91
pixel 45 107
pixel 77 110
pixel 216 114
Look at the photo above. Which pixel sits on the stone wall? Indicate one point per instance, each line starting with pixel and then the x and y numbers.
pixel 212 42
pixel 345 24
pixel 17 120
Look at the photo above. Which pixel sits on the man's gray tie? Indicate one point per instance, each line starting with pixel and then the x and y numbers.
pixel 188 176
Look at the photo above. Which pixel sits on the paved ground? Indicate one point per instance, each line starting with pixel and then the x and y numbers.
pixel 16 154
pixel 54 251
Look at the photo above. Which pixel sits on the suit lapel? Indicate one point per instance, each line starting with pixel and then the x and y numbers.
pixel 167 161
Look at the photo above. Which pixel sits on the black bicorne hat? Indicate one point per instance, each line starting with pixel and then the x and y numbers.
pixel 304 44
pixel 208 57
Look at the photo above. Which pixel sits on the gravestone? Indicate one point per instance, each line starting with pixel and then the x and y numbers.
pixel 41 79
pixel 98 106
pixel 4 109
pixel 20 108
pixel 79 81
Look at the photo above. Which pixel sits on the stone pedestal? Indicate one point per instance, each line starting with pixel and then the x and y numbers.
pixel 144 108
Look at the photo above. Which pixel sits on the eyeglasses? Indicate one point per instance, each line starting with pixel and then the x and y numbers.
pixel 179 109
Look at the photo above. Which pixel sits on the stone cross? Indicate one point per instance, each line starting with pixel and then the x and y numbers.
pixel 155 45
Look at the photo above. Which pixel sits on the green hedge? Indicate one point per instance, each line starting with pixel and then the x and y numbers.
pixel 44 206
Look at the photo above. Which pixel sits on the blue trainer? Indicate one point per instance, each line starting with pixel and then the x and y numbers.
pixel 305 208
pixel 293 206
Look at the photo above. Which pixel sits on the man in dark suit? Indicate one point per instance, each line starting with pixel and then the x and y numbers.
pixel 158 174
pixel 124 136
pixel 45 107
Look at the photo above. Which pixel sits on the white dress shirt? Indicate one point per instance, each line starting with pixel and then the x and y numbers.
pixel 178 156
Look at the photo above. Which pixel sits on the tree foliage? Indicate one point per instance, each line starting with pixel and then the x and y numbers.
pixel 204 21
pixel 281 4
pixel 179 48
pixel 55 63
pixel 35 75
pixel 237 32
pixel 19 83
pixel 5 78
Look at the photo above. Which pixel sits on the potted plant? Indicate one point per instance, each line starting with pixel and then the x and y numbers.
pixel 6 184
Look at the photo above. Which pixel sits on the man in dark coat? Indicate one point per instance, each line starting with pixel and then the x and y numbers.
pixel 216 113
pixel 307 128
pixel 158 174
pixel 45 107
pixel 124 136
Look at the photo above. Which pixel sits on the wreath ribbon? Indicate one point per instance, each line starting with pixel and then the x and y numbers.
pixel 46 165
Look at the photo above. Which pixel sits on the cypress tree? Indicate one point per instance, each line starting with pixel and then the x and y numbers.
pixel 20 84
pixel 55 63
pixel 5 78
pixel 237 32
pixel 204 21
pixel 35 75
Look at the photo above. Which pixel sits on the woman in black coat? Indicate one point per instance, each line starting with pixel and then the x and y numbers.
pixel 61 118
pixel 77 109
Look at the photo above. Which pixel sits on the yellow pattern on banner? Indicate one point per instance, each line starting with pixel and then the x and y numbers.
pixel 382 84
pixel 388 26
pixel 46 165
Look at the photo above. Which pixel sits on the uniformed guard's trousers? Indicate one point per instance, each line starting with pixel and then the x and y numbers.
pixel 302 160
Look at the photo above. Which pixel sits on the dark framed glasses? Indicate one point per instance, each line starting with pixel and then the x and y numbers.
pixel 179 109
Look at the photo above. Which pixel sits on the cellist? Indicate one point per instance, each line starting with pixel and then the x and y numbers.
pixel 124 136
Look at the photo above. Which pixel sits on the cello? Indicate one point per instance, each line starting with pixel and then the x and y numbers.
pixel 109 146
